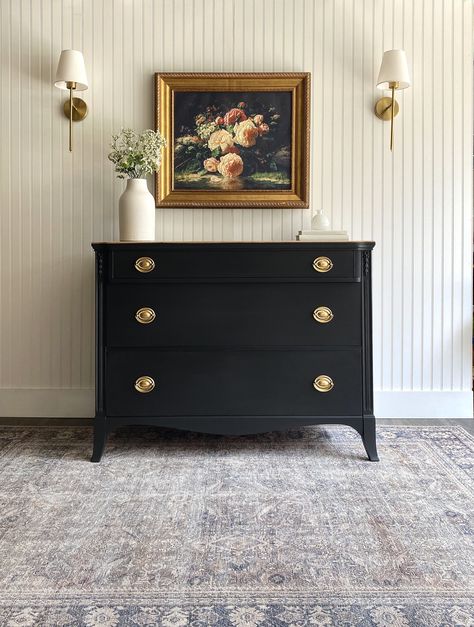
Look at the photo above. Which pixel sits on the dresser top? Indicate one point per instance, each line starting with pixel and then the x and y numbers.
pixel 346 245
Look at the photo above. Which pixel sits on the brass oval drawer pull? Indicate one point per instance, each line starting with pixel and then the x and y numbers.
pixel 145 315
pixel 144 264
pixel 323 383
pixel 322 264
pixel 323 315
pixel 144 385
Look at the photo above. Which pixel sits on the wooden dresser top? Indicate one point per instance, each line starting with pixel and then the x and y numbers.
pixel 349 245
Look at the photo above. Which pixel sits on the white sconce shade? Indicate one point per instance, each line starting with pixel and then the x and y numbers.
pixel 71 69
pixel 394 69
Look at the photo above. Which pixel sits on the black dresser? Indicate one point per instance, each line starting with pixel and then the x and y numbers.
pixel 234 338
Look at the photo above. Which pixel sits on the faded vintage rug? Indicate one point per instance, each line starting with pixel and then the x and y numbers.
pixel 281 529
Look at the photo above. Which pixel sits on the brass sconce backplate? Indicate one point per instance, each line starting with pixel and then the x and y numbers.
pixel 383 106
pixel 79 109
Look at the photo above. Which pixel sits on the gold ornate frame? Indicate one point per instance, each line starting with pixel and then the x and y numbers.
pixel 296 82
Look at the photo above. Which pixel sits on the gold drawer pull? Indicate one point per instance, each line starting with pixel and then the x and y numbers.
pixel 145 315
pixel 144 385
pixel 322 264
pixel 323 315
pixel 144 264
pixel 323 383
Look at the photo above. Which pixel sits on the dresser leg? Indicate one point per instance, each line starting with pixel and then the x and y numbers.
pixel 100 438
pixel 369 438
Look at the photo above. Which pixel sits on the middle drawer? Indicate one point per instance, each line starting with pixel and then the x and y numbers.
pixel 238 314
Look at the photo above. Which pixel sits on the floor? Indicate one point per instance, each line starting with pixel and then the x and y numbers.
pixel 276 529
pixel 467 423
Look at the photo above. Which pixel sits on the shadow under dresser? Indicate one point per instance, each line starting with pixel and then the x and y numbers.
pixel 234 338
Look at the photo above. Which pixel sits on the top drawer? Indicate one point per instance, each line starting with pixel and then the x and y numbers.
pixel 155 264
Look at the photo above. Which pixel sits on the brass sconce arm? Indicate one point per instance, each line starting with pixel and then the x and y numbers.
pixel 387 108
pixel 393 86
pixel 70 85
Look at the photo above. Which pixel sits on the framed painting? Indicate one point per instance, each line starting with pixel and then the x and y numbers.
pixel 233 140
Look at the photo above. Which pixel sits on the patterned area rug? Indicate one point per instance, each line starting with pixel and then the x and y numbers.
pixel 281 529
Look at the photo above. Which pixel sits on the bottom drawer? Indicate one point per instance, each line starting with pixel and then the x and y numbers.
pixel 232 382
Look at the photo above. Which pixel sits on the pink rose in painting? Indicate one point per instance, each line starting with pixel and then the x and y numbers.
pixel 221 139
pixel 233 116
pixel 258 119
pixel 241 105
pixel 246 134
pixel 211 164
pixel 263 128
pixel 231 165
pixel 220 120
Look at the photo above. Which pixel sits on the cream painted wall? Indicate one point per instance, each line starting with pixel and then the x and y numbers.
pixel 415 203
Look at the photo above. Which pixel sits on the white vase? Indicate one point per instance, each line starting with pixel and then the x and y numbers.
pixel 320 222
pixel 137 212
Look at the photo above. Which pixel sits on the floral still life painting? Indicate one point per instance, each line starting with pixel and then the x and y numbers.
pixel 233 140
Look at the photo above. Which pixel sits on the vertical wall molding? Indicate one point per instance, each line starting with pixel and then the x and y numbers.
pixel 416 204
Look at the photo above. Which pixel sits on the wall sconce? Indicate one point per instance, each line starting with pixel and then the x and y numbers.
pixel 71 74
pixel 393 75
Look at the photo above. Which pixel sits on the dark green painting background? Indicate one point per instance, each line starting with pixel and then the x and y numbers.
pixel 272 152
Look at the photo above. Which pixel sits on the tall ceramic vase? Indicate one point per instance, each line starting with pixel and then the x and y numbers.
pixel 137 212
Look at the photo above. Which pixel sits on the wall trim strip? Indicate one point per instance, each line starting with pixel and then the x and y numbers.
pixel 429 404
pixel 47 403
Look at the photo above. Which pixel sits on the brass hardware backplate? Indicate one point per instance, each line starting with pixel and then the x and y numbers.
pixel 323 315
pixel 383 106
pixel 144 264
pixel 323 383
pixel 145 315
pixel 79 109
pixel 322 264
pixel 144 384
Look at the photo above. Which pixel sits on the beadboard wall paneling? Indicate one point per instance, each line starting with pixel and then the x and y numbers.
pixel 415 203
